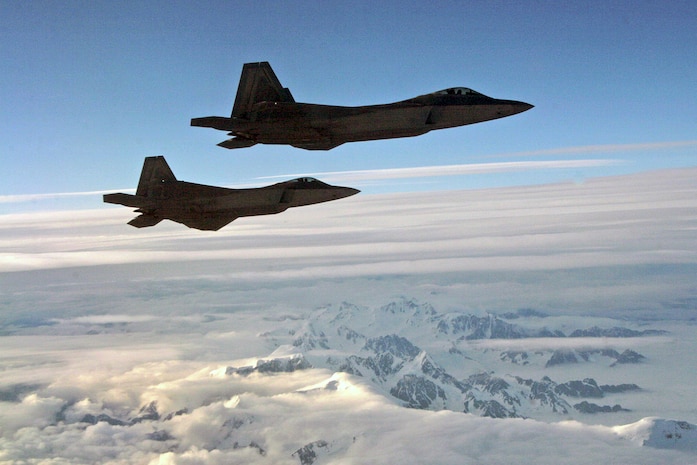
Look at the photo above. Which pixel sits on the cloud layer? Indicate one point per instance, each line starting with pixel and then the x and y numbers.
pixel 169 412
pixel 454 170
pixel 627 238
pixel 99 318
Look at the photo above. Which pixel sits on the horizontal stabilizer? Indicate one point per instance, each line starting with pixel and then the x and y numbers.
pixel 215 122
pixel 236 143
pixel 144 221
pixel 128 200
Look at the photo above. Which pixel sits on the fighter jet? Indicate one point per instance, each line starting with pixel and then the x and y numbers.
pixel 265 112
pixel 160 196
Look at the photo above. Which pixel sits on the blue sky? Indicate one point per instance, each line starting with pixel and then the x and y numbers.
pixel 89 89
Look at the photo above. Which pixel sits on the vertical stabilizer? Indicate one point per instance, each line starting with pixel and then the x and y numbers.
pixel 155 172
pixel 258 83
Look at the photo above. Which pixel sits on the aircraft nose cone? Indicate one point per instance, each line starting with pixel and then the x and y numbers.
pixel 343 192
pixel 349 191
pixel 525 106
pixel 519 107
pixel 511 107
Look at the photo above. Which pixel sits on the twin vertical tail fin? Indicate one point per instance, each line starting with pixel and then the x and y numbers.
pixel 155 173
pixel 258 83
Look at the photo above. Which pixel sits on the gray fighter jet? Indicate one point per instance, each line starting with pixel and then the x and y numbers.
pixel 266 113
pixel 160 196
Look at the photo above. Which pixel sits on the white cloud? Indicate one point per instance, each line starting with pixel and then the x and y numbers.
pixel 580 343
pixel 452 170
pixel 605 148
pixel 134 316
pixel 355 423
pixel 19 198
pixel 33 411
pixel 634 220
pixel 501 167
pixel 430 171
pixel 491 239
pixel 264 419
pixel 110 319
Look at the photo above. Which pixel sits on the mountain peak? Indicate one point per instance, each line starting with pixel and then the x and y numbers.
pixel 661 433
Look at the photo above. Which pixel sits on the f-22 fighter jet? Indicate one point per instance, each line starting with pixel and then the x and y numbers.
pixel 160 196
pixel 265 112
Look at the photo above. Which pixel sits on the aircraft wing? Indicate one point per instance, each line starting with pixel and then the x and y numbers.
pixel 318 145
pixel 236 143
pixel 258 83
pixel 206 223
pixel 144 221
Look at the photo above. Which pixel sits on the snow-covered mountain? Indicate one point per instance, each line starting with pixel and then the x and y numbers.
pixel 241 427
pixel 425 359
pixel 661 434
pixel 349 380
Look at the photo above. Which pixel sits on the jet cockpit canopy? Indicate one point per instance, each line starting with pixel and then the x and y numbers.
pixel 308 183
pixel 445 96
pixel 458 91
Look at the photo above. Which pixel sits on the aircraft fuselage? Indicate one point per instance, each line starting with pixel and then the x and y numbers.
pixel 320 127
pixel 265 112
pixel 160 196
pixel 181 198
